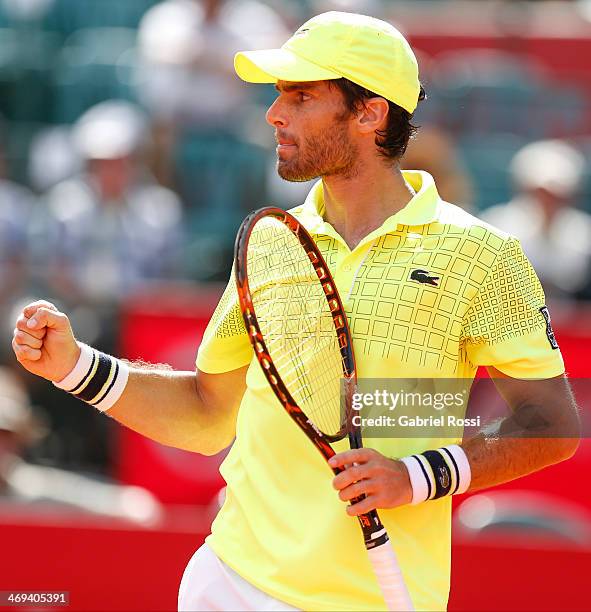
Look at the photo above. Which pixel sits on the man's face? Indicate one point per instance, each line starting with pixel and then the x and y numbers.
pixel 312 129
pixel 113 176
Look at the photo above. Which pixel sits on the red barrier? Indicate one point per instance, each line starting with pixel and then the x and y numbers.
pixel 111 566
pixel 104 564
pixel 167 326
pixel 565 56
pixel 509 577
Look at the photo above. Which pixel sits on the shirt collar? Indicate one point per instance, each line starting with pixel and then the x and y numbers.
pixel 423 208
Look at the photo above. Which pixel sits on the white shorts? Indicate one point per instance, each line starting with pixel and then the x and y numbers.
pixel 209 584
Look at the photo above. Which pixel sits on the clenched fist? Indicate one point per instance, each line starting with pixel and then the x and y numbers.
pixel 44 343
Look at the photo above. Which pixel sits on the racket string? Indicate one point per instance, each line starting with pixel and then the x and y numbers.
pixel 296 323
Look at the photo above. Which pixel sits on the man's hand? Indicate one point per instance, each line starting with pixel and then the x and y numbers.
pixel 44 343
pixel 383 481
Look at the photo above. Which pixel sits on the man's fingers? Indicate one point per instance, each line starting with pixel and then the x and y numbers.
pixel 357 455
pixel 25 353
pixel 30 309
pixel 31 320
pixel 45 317
pixel 21 324
pixel 363 487
pixel 23 338
pixel 365 505
pixel 349 476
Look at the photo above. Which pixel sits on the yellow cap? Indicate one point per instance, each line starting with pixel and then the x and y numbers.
pixel 367 51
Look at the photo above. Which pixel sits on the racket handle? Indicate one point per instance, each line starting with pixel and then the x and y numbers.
pixel 387 571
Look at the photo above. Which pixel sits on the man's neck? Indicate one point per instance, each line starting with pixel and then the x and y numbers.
pixel 359 203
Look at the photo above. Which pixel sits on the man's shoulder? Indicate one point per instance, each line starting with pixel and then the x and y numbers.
pixel 296 210
pixel 455 220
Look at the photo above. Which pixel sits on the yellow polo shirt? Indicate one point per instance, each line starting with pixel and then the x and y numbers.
pixel 282 526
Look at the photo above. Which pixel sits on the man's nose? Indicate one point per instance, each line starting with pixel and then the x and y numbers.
pixel 276 114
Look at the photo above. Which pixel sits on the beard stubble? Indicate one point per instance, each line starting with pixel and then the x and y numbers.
pixel 329 152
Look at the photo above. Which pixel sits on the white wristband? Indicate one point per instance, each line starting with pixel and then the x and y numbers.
pixel 459 455
pixel 116 390
pixel 73 379
pixel 97 378
pixel 418 480
pixel 422 477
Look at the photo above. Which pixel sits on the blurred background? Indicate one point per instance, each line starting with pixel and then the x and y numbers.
pixel 129 154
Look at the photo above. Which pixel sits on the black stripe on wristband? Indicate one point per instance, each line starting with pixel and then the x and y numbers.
pixel 102 397
pixel 97 382
pixel 86 375
pixel 429 488
pixel 441 471
pixel 456 468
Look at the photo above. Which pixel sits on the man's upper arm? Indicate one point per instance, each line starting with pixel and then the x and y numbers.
pixel 222 361
pixel 222 394
pixel 508 331
pixel 541 408
pixel 508 325
pixel 225 345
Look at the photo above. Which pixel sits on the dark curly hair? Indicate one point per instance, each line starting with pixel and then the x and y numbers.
pixel 393 140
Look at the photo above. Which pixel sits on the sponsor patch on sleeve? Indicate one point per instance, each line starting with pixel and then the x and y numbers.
pixel 549 331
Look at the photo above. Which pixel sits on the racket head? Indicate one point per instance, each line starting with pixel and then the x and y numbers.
pixel 259 312
pixel 296 323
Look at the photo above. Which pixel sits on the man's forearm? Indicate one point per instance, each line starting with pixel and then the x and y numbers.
pixel 162 405
pixel 543 429
pixel 172 408
pixel 497 460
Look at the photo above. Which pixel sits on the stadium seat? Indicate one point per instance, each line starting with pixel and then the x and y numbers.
pixel 31 15
pixel 561 110
pixel 482 91
pixel 24 79
pixel 72 15
pixel 95 65
pixel 487 160
pixel 221 178
pixel 17 144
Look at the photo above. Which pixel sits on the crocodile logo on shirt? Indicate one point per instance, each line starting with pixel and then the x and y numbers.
pixel 424 277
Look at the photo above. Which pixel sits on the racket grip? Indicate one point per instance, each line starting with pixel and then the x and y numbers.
pixel 387 571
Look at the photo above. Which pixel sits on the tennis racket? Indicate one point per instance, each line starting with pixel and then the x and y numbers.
pixel 296 323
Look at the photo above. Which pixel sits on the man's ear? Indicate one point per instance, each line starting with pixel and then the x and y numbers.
pixel 373 116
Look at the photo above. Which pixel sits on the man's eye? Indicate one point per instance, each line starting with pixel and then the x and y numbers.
pixel 303 96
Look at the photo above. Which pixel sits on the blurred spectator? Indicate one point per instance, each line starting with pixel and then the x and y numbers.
pixel 52 158
pixel 22 482
pixel 555 235
pixel 26 10
pixel 185 68
pixel 110 228
pixel 186 50
pixel 433 150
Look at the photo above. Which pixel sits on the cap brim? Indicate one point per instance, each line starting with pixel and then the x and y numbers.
pixel 272 65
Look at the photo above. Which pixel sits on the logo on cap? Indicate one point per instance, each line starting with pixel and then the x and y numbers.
pixel 302 32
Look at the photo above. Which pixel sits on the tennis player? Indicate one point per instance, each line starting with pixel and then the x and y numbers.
pixel 430 292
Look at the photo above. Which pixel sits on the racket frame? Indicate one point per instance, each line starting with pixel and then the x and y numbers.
pixel 373 530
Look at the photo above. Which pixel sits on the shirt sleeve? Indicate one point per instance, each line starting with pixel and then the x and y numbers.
pixel 508 325
pixel 225 345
